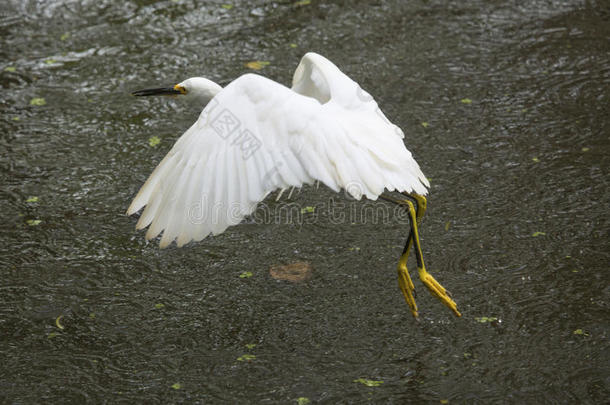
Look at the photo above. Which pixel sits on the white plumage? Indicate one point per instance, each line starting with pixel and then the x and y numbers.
pixel 256 136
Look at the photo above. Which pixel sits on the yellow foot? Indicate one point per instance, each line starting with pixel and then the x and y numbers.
pixel 438 290
pixel 406 286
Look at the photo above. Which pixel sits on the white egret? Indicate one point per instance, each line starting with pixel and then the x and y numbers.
pixel 255 136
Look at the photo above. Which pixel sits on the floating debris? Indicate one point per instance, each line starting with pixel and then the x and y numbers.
pixel 159 306
pixel 295 272
pixel 38 101
pixel 10 69
pixel 466 101
pixel 154 141
pixel 33 222
pixel 227 6
pixel 64 36
pixel 176 386
pixel 293 45
pixel 308 210
pixel 32 199
pixel 245 274
pixel 585 149
pixel 536 234
pixel 535 159
pixel 369 383
pixel 425 124
pixel 251 346
pixel 246 357
pixel 303 401
pixel 58 322
pixel 302 3
pixel 485 319
pixel 257 64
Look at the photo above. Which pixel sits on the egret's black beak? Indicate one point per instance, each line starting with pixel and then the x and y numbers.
pixel 161 91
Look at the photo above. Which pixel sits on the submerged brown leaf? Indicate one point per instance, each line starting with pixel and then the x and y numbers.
pixel 294 272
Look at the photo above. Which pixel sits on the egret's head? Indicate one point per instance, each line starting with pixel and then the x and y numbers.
pixel 194 90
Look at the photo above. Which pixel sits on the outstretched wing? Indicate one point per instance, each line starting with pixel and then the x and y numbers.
pixel 256 136
pixel 361 120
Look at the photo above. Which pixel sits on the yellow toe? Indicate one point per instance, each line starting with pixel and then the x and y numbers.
pixel 407 287
pixel 438 290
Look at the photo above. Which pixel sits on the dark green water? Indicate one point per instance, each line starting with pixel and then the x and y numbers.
pixel 517 226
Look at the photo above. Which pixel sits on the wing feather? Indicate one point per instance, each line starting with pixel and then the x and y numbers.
pixel 205 194
pixel 259 136
pixel 186 205
pixel 168 197
pixel 149 213
pixel 145 193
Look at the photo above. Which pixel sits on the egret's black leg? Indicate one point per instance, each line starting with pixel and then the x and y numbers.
pixel 404 280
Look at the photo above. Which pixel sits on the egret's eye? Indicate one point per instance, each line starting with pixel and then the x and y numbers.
pixel 181 89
